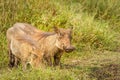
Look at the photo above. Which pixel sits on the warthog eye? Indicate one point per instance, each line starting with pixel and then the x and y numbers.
pixel 61 36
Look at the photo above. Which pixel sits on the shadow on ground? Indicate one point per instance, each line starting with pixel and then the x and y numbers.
pixel 106 72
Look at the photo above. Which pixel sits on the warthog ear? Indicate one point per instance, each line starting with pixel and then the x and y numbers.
pixel 71 27
pixel 56 29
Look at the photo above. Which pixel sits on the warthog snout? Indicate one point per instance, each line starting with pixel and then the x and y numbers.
pixel 69 49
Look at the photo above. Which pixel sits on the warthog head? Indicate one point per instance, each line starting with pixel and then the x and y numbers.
pixel 64 39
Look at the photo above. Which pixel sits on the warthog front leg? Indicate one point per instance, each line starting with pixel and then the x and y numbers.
pixel 57 58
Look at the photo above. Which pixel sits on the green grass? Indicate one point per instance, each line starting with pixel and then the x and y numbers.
pixel 82 66
pixel 96 32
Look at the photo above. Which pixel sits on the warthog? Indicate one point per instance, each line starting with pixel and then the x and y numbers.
pixel 53 44
pixel 27 51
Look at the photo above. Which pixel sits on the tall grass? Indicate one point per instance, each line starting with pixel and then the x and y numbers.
pixel 94 34
pixel 104 9
pixel 88 33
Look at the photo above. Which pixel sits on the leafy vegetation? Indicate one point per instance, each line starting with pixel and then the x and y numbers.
pixel 96 29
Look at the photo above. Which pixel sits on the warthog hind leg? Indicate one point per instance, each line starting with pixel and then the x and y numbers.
pixel 11 59
pixel 48 60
